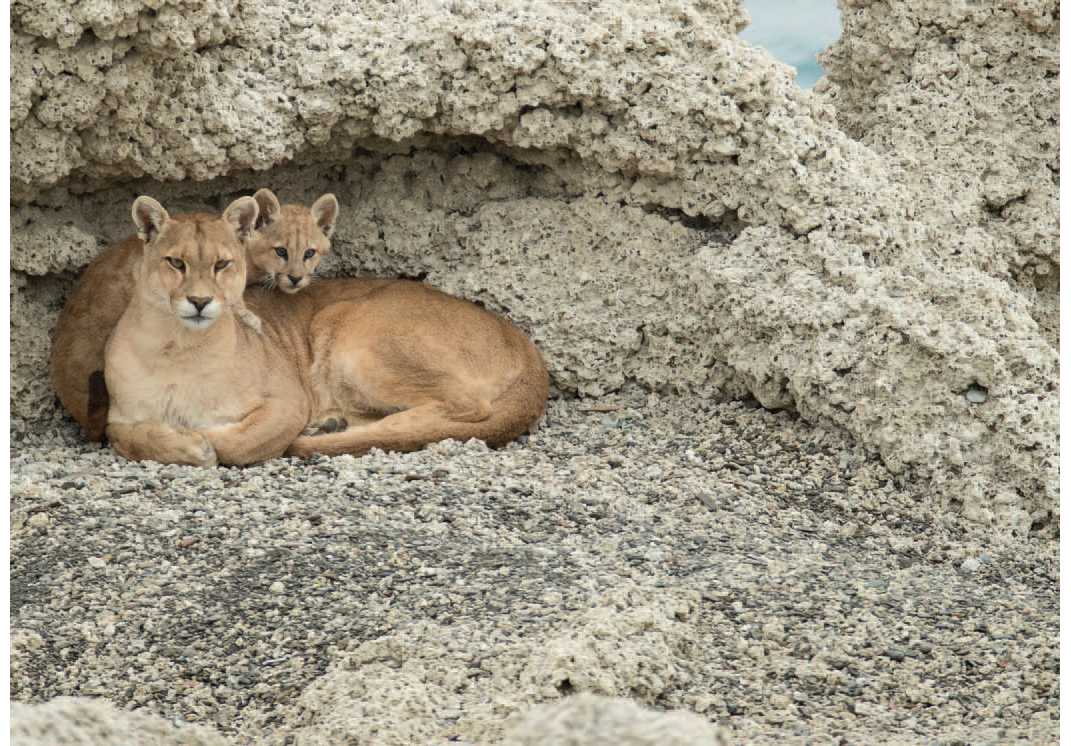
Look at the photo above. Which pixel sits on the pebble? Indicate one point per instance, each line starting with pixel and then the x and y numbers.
pixel 895 654
pixel 977 394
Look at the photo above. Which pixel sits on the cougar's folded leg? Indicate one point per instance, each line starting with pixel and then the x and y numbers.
pixel 262 434
pixel 156 441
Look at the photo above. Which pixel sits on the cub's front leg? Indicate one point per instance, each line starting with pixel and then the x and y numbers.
pixel 156 441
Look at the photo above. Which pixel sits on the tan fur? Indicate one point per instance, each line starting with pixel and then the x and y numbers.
pixel 408 363
pixel 103 292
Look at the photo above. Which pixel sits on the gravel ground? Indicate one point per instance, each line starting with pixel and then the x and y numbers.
pixel 685 555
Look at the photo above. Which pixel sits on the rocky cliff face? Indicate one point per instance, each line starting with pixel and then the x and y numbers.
pixel 654 201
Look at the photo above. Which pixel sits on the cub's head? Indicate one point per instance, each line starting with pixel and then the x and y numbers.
pixel 194 267
pixel 290 240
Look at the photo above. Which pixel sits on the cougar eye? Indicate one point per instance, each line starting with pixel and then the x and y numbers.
pixel 177 263
pixel 281 251
pixel 222 264
pixel 310 254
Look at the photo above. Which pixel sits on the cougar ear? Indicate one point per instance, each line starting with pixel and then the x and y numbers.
pixel 149 217
pixel 269 207
pixel 325 213
pixel 242 216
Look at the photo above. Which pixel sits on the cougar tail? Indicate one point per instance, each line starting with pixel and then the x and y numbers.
pixel 496 422
pixel 97 407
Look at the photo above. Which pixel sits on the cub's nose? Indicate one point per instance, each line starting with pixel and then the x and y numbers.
pixel 294 280
pixel 198 302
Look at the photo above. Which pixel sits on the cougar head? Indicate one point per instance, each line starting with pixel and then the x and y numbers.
pixel 195 267
pixel 291 240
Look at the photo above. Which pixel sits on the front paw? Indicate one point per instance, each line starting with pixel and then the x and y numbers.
pixel 199 452
pixel 251 320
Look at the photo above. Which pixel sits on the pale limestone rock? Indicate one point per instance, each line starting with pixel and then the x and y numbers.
pixel 591 720
pixel 427 683
pixel 82 721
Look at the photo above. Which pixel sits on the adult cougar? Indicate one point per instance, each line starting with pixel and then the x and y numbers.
pixel 104 290
pixel 394 363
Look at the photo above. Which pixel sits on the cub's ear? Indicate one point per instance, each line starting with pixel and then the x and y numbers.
pixel 269 207
pixel 242 216
pixel 325 213
pixel 149 217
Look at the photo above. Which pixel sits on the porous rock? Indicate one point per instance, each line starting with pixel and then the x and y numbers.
pixel 650 197
pixel 426 682
pixel 591 720
pixel 82 721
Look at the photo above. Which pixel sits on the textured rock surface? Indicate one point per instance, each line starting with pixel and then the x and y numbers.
pixel 962 98
pixel 771 577
pixel 651 198
pixel 80 721
pixel 589 720
pixel 405 687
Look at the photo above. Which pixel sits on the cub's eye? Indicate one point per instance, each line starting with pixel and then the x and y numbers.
pixel 281 251
pixel 310 254
pixel 177 263
pixel 222 264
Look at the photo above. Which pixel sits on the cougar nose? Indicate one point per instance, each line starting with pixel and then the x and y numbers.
pixel 294 280
pixel 198 302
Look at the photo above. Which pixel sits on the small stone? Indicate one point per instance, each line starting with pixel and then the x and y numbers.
pixel 895 654
pixel 970 565
pixel 40 520
pixel 97 562
pixel 774 630
pixel 277 587
pixel 977 394
pixel 780 701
